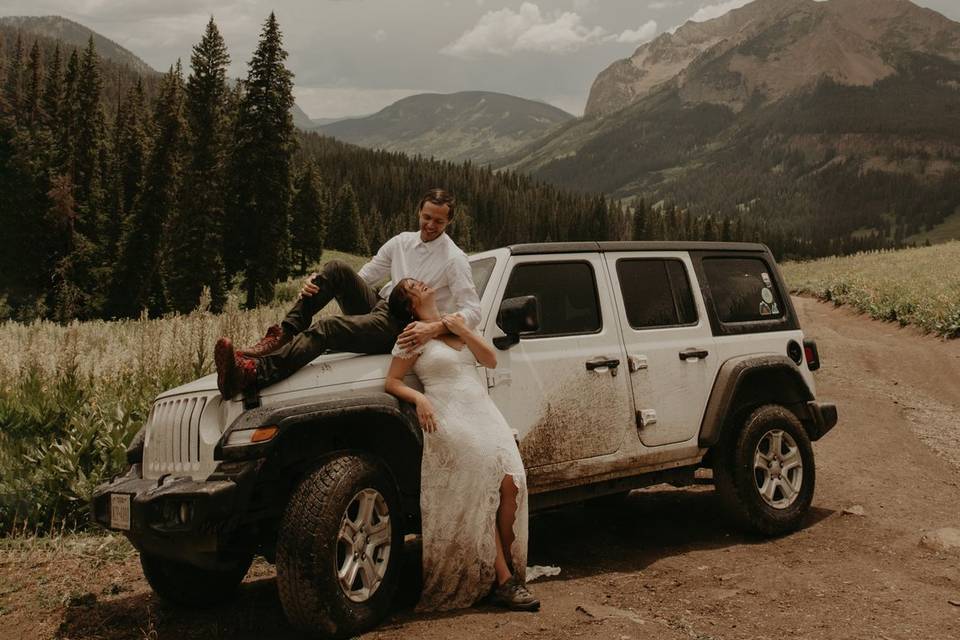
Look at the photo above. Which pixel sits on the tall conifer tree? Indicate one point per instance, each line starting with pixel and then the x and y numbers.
pixel 345 231
pixel 138 282
pixel 308 224
pixel 13 82
pixel 196 235
pixel 53 88
pixel 263 157
pixel 33 94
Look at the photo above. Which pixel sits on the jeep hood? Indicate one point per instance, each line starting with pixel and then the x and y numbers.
pixel 326 371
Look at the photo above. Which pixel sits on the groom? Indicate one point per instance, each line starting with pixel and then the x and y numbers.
pixel 366 325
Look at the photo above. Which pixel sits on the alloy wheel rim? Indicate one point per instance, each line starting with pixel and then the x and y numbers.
pixel 363 545
pixel 778 469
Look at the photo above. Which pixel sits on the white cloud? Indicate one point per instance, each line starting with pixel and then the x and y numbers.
pixel 506 31
pixel 712 11
pixel 584 6
pixel 379 35
pixel 663 4
pixel 642 33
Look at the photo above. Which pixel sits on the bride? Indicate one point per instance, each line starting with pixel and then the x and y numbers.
pixel 473 493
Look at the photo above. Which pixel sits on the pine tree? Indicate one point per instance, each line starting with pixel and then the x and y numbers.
pixel 13 83
pixel 53 88
pixel 137 282
pixel 195 259
pixel 33 96
pixel 66 125
pixel 638 230
pixel 263 157
pixel 130 154
pixel 345 232
pixel 308 224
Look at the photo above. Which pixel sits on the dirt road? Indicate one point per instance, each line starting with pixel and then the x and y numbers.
pixel 664 564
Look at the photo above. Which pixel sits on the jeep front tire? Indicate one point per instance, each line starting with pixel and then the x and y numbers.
pixel 765 472
pixel 339 546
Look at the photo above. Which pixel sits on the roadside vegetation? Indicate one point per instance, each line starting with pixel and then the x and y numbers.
pixel 72 396
pixel 919 286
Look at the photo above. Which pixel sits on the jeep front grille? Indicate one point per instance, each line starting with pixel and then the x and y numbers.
pixel 173 443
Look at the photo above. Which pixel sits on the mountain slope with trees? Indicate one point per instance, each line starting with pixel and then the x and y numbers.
pixel 840 163
pixel 478 126
pixel 206 187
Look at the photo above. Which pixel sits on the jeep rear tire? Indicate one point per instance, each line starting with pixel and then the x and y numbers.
pixel 190 586
pixel 339 547
pixel 765 472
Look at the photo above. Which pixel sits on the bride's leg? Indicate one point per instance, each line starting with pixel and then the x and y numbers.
pixel 503 531
pixel 506 514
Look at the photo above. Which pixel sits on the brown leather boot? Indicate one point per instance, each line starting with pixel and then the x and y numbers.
pixel 236 373
pixel 276 337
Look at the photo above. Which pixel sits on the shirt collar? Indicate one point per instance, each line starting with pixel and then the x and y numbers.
pixel 429 246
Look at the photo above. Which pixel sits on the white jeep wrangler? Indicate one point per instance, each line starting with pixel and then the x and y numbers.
pixel 621 365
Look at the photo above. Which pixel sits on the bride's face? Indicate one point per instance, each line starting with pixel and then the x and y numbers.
pixel 420 295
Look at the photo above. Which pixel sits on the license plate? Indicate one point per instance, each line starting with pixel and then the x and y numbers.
pixel 120 511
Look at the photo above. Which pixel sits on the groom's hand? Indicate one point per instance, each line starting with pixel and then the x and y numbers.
pixel 416 334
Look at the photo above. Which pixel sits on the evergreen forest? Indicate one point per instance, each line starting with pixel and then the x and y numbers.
pixel 123 193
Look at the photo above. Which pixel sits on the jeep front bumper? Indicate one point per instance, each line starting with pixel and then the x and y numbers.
pixel 179 518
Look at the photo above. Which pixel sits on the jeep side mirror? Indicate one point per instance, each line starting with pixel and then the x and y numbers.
pixel 516 316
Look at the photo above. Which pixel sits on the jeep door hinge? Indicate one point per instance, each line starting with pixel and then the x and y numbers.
pixel 496 377
pixel 646 418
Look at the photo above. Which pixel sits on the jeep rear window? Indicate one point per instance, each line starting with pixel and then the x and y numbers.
pixel 566 293
pixel 481 271
pixel 656 293
pixel 743 289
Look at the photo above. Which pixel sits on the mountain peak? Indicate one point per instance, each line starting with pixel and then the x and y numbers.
pixel 74 33
pixel 774 48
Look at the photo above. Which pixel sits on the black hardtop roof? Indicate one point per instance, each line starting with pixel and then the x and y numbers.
pixel 634 245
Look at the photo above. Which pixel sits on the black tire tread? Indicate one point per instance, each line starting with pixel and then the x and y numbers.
pixel 738 495
pixel 308 606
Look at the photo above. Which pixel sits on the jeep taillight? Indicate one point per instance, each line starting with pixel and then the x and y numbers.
pixel 811 355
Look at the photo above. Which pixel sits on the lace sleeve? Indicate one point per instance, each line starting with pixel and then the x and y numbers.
pixel 406 354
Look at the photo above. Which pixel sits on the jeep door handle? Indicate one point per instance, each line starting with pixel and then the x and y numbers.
pixel 602 363
pixel 698 354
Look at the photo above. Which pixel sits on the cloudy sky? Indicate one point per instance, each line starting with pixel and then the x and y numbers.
pixel 353 57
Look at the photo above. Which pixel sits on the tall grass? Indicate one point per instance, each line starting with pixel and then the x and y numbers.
pixel 72 396
pixel 918 287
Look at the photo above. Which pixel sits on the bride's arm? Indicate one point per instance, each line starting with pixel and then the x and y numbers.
pixel 480 348
pixel 399 367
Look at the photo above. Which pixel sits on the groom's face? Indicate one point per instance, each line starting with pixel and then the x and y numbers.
pixel 434 219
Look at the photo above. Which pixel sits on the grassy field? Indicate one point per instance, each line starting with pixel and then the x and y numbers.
pixel 72 396
pixel 918 287
pixel 946 231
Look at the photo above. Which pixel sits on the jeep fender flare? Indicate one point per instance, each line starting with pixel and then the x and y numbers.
pixel 753 380
pixel 309 430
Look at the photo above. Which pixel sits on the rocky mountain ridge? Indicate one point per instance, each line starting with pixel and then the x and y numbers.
pixel 770 49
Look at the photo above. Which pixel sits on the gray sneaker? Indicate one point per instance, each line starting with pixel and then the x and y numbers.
pixel 514 596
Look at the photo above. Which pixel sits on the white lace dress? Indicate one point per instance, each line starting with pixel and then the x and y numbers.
pixel 464 462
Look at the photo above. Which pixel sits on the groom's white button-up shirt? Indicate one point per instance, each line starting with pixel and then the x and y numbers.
pixel 440 263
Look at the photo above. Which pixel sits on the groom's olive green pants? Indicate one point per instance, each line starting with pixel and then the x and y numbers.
pixel 366 325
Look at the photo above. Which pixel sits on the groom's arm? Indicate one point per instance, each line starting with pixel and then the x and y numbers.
pixel 464 292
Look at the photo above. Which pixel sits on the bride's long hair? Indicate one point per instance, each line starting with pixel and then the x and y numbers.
pixel 400 305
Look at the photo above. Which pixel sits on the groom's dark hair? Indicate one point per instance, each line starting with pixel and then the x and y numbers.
pixel 439 197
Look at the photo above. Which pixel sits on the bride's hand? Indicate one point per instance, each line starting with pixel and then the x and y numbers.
pixel 455 324
pixel 428 419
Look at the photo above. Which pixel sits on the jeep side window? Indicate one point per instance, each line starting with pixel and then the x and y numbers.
pixel 743 290
pixel 656 293
pixel 481 271
pixel 566 291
